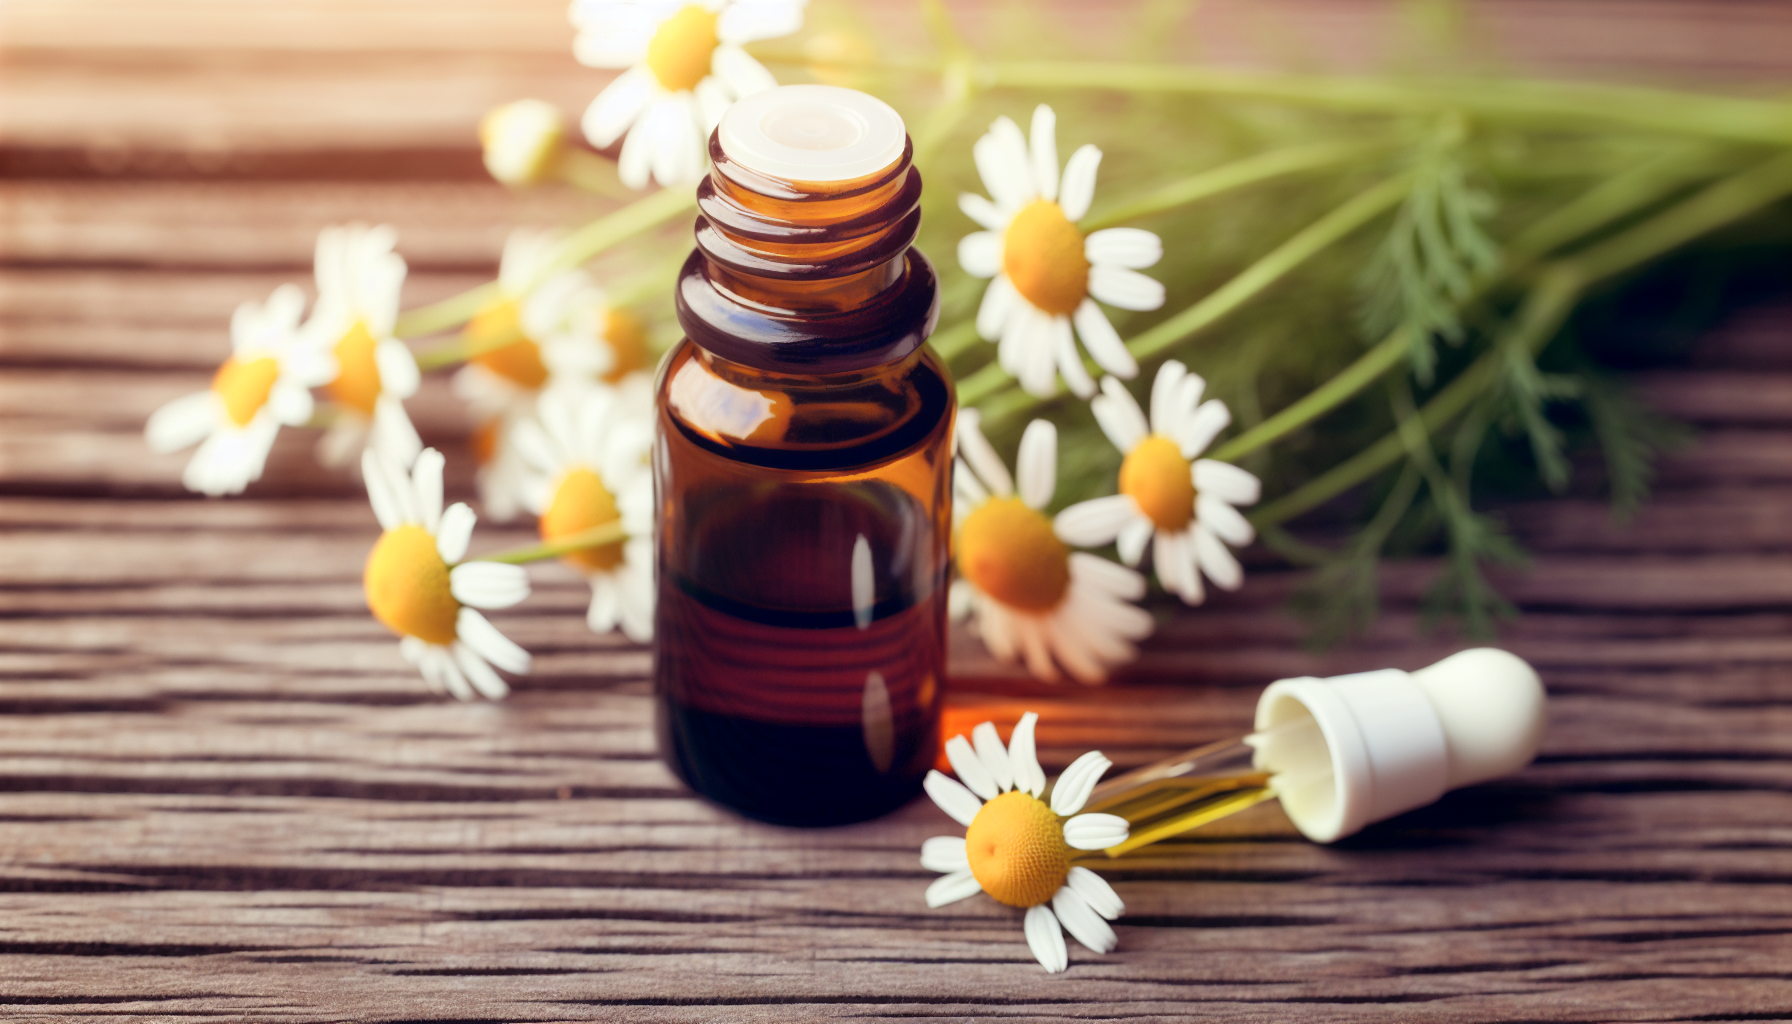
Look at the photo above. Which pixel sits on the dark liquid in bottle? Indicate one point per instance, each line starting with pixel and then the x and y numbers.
pixel 799 652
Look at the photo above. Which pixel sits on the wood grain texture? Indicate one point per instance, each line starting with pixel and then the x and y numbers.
pixel 224 795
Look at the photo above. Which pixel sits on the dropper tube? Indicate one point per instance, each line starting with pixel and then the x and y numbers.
pixel 1204 784
pixel 1345 752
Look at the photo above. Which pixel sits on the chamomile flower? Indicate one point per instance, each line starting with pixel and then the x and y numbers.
pixel 521 140
pixel 418 587
pixel 566 335
pixel 588 452
pixel 1035 600
pixel 1017 847
pixel 264 385
pixel 685 67
pixel 359 278
pixel 1047 277
pixel 1185 506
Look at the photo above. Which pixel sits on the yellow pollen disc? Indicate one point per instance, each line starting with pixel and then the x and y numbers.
pixel 1017 850
pixel 407 585
pixel 1043 256
pixel 357 384
pixel 518 361
pixel 1010 552
pixel 628 340
pixel 680 50
pixel 244 387
pixel 580 503
pixel 1159 479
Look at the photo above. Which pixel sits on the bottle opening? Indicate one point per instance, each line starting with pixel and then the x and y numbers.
pixel 812 133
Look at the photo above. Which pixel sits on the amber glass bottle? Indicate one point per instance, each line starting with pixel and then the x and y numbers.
pixel 803 471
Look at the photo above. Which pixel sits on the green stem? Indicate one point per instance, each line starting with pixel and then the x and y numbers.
pixel 450 312
pixel 585 170
pixel 638 217
pixel 1238 174
pixel 1652 109
pixel 596 537
pixel 1559 287
pixel 955 340
pixel 459 350
pixel 1355 377
pixel 1253 281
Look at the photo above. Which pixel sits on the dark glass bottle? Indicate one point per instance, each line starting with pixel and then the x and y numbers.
pixel 803 483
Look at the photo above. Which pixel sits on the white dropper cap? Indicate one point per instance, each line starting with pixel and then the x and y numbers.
pixel 812 133
pixel 1389 741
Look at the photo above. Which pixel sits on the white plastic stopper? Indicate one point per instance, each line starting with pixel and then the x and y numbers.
pixel 812 133
pixel 1390 741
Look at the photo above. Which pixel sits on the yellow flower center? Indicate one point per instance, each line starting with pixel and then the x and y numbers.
pixel 1043 256
pixel 407 585
pixel 1158 478
pixel 519 360
pixel 357 382
pixel 680 51
pixel 628 340
pixel 1010 553
pixel 1017 851
pixel 244 387
pixel 580 503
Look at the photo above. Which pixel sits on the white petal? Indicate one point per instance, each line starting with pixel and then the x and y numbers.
pixel 387 508
pixel 1069 360
pixel 959 803
pixel 290 403
pixel 1001 159
pixel 971 769
pixel 740 72
pixel 1199 430
pixel 1133 538
pixel 1095 831
pixel 1035 639
pixel 1082 922
pixel 1096 892
pixel 967 491
pixel 998 304
pixel 487 682
pixel 1033 341
pixel 1072 790
pixel 1165 389
pixel 1036 467
pixel 1075 648
pixel 977 452
pixel 982 211
pixel 1046 940
pixel 185 421
pixel 944 853
pixel 1119 416
pixel 1115 581
pixel 393 434
pixel 426 485
pixel 746 21
pixel 1043 151
pixel 980 253
pixel 1098 521
pixel 993 755
pixel 1102 341
pixel 951 888
pixel 961 597
pixel 488 584
pixel 605 607
pixel 634 165
pixel 1028 776
pixel 1133 248
pixel 1229 483
pixel 1127 289
pixel 478 633
pixel 412 648
pixel 399 375
pixel 1212 512
pixel 1077 190
pixel 1217 560
pixel 618 106
pixel 1176 567
pixel 455 532
pixel 438 662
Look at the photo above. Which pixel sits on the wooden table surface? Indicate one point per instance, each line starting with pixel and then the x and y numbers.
pixel 225 795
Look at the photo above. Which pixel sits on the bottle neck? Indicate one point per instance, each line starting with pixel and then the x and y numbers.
pixel 807 277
